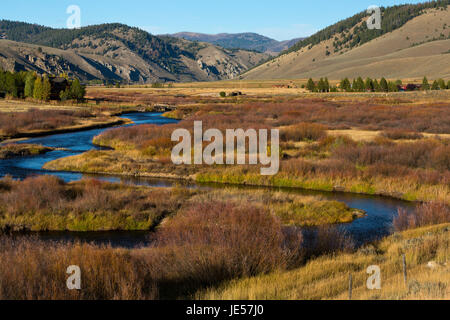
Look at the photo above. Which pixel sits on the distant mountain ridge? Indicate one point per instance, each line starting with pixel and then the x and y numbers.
pixel 247 41
pixel 118 52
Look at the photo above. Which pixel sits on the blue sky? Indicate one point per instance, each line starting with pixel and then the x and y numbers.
pixel 281 20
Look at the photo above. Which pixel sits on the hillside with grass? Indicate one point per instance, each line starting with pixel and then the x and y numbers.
pixel 117 52
pixel 414 41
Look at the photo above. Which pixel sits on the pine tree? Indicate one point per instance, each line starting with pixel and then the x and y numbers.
pixel 77 91
pixel 369 84
pixel 46 89
pixel 360 84
pixel 376 86
pixel 320 85
pixel 448 84
pixel 435 85
pixel 392 86
pixel 425 84
pixel 346 85
pixel 37 90
pixel 311 86
pixel 327 85
pixel 442 84
pixel 384 85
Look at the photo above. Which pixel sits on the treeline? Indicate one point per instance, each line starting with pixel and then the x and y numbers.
pixel 392 19
pixel 26 84
pixel 373 85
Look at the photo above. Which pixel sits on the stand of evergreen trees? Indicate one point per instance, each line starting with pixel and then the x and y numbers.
pixel 372 85
pixel 30 85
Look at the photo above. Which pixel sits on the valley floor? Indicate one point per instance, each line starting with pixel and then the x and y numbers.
pixel 392 145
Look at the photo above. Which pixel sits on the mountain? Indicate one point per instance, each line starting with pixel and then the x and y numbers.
pixel 118 52
pixel 247 41
pixel 414 41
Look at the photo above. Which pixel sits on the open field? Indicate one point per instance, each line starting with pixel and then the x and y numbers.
pixel 209 92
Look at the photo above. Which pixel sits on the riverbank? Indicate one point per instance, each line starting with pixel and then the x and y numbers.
pixel 194 258
pixel 47 204
pixel 83 126
pixel 427 252
pixel 9 151
pixel 113 162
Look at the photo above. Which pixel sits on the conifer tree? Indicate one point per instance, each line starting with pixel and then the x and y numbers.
pixel 369 84
pixel 327 85
pixel 77 90
pixel 346 85
pixel 425 84
pixel 354 85
pixel 435 85
pixel 384 85
pixel 376 86
pixel 311 86
pixel 360 84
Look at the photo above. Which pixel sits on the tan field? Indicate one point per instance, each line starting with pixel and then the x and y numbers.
pixel 263 89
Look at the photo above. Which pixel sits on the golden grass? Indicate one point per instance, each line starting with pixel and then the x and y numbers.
pixel 328 277
pixel 292 209
pixel 367 135
pixel 19 150
pixel 19 105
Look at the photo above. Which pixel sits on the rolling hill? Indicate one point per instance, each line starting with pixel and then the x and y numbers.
pixel 414 42
pixel 246 41
pixel 118 52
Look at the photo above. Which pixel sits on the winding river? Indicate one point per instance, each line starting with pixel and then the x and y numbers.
pixel 377 223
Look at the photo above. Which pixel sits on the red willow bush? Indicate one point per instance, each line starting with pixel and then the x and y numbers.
pixel 32 270
pixel 303 131
pixel 247 240
pixel 432 154
pixel 208 243
pixel 432 213
pixel 45 195
pixel 14 122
